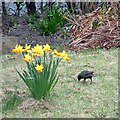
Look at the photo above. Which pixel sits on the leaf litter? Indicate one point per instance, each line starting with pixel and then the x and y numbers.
pixel 99 29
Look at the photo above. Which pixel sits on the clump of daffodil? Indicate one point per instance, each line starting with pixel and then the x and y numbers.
pixel 39 68
pixel 42 63
pixel 17 49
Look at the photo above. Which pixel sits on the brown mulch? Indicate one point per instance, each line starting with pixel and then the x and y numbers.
pixel 99 29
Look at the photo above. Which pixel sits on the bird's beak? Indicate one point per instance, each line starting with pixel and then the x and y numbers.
pixel 94 75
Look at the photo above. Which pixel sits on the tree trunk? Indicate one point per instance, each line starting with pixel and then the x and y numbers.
pixel 18 5
pixel 41 6
pixel 31 8
pixel 3 8
pixel 71 7
pixel 51 4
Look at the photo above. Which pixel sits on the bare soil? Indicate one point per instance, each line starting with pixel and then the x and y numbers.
pixel 17 28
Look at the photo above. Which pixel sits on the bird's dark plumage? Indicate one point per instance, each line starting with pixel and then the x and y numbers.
pixel 85 75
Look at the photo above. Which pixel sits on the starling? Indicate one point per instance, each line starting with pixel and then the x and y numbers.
pixel 85 75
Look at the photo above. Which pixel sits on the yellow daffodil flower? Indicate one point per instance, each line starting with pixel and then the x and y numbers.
pixel 37 50
pixel 66 58
pixel 64 55
pixel 27 48
pixel 29 51
pixel 17 49
pixel 27 58
pixel 39 68
pixel 56 54
pixel 47 48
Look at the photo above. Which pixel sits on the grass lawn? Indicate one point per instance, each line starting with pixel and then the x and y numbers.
pixel 69 98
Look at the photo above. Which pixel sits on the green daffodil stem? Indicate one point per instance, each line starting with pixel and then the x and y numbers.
pixel 44 57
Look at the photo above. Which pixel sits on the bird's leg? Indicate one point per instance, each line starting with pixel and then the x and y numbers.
pixel 84 80
pixel 91 80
